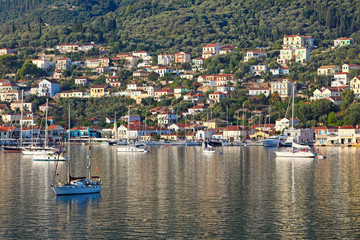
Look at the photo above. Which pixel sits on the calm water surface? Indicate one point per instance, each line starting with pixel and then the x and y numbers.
pixel 178 192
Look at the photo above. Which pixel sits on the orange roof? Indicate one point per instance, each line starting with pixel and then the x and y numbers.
pixel 212 45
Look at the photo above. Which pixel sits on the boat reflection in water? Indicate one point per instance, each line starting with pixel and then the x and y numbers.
pixel 82 199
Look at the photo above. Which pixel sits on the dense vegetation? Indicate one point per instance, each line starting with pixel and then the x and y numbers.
pixel 174 25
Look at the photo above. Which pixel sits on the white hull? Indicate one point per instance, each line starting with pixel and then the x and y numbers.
pixel 254 144
pixel 132 149
pixel 38 152
pixel 76 189
pixel 270 142
pixel 209 151
pixel 49 157
pixel 296 154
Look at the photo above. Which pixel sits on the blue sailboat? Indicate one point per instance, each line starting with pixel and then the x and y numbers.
pixel 78 185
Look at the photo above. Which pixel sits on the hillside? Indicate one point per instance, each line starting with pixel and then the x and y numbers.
pixel 174 25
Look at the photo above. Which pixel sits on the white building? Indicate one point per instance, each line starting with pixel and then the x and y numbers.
pixel 301 136
pixel 211 50
pixel 166 118
pixel 182 57
pixel 254 54
pixel 48 88
pixel 283 88
pixel 162 71
pixel 81 81
pixel 42 63
pixel 284 123
pixel 63 63
pixel 340 79
pixel 165 59
pixel 258 91
pixel 258 69
pixel 348 67
pixel 302 55
pixel 328 70
pixel 7 51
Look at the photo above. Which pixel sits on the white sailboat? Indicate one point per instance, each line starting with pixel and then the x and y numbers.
pixel 297 150
pixel 45 154
pixel 130 148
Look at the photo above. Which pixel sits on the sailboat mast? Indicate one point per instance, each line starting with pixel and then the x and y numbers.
pixel 115 127
pixel 46 123
pixel 243 122
pixel 227 123
pixel 292 114
pixel 68 168
pixel 21 121
pixel 89 163
pixel 128 126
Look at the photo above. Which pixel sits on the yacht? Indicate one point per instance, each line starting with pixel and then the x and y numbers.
pixel 297 151
pixel 79 185
pixel 272 141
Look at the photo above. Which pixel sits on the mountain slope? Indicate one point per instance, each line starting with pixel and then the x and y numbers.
pixel 178 24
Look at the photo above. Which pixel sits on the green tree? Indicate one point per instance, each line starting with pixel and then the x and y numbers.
pixel 29 70
pixel 332 119
pixel 348 97
pixel 321 107
pixel 153 76
pixel 353 114
pixel 274 98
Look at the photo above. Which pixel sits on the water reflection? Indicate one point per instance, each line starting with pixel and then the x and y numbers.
pixel 81 200
pixel 179 192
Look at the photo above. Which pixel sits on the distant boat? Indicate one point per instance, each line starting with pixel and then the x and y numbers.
pixel 130 147
pixel 78 185
pixel 214 143
pixel 254 143
pixel 272 141
pixel 297 151
pixel 133 149
pixel 178 143
pixel 12 149
pixel 50 157
pixel 209 150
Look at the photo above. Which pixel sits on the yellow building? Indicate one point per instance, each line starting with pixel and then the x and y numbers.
pixel 355 86
pixel 97 91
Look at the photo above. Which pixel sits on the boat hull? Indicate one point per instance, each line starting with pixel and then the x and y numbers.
pixel 12 149
pixel 270 143
pixel 49 158
pixel 75 190
pixel 38 152
pixel 132 149
pixel 294 154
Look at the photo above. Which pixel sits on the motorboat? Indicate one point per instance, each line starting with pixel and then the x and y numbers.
pixel 272 141
pixel 209 150
pixel 133 149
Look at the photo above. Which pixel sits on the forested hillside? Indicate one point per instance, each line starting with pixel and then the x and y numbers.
pixel 174 24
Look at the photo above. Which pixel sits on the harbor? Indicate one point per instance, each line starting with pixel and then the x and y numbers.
pixel 180 192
